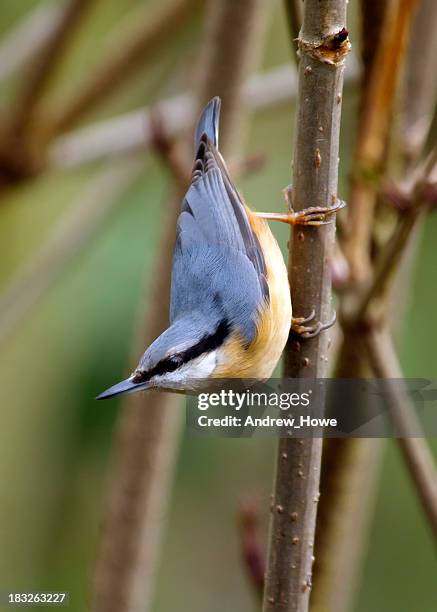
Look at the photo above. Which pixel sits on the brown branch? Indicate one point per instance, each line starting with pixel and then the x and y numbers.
pixel 421 81
pixel 148 35
pixel 46 62
pixel 416 452
pixel 372 13
pixel 323 45
pixel 231 21
pixel 169 152
pixel 372 138
pixel 421 196
pixel 19 45
pixel 419 98
pixel 21 152
pixel 148 440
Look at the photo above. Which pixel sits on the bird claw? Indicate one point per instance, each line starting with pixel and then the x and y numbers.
pixel 312 216
pixel 299 327
pixel 315 215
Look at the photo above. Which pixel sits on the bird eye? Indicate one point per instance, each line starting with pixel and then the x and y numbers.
pixel 172 363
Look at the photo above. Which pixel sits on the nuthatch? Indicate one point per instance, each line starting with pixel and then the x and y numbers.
pixel 230 307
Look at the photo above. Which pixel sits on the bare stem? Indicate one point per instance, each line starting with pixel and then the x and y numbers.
pixel 21 152
pixel 231 21
pixel 415 450
pixel 372 138
pixel 422 195
pixel 421 81
pixel 46 61
pixel 149 34
pixel 372 13
pixel 19 45
pixel 323 45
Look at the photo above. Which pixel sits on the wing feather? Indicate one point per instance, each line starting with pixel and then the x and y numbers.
pixel 218 268
pixel 214 201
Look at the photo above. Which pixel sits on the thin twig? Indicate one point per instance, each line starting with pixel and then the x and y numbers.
pixel 230 21
pixel 148 35
pixel 323 45
pixel 23 42
pixel 419 102
pixel 46 61
pixel 21 146
pixel 423 194
pixel 127 133
pixel 421 81
pixel 416 452
pixel 372 138
pixel 372 13
pixel 170 153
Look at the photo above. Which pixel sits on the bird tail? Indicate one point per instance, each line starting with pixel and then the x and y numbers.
pixel 208 123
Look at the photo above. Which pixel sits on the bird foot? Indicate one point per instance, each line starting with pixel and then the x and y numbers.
pixel 314 215
pixel 299 327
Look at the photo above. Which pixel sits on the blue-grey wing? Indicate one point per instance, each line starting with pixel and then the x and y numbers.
pixel 214 200
pixel 218 266
pixel 219 283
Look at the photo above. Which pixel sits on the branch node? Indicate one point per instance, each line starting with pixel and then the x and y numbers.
pixel 331 49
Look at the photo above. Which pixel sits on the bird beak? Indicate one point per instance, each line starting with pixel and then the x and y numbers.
pixel 123 387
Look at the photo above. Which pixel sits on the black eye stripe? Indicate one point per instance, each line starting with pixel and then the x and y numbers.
pixel 171 364
pixel 207 344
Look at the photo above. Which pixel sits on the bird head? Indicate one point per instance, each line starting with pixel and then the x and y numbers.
pixel 180 359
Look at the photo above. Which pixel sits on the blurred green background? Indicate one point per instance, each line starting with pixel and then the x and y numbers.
pixel 55 439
